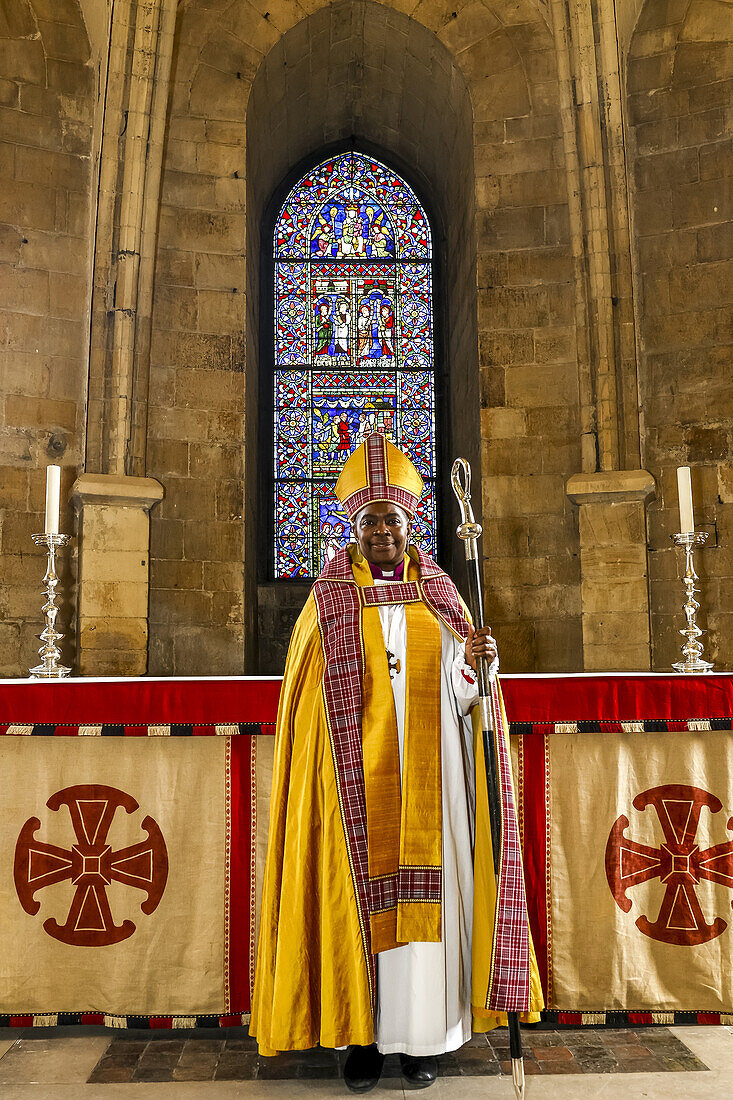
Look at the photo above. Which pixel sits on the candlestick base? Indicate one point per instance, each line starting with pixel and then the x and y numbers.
pixel 695 665
pixel 49 667
pixel 692 649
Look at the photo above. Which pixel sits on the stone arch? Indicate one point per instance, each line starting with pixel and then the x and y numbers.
pixel 512 242
pixel 679 80
pixel 390 86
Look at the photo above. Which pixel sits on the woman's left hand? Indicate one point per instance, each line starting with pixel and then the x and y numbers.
pixel 480 643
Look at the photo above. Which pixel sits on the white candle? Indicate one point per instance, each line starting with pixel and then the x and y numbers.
pixel 684 492
pixel 53 489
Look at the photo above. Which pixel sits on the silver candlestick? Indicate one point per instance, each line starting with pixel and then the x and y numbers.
pixel 49 668
pixel 692 649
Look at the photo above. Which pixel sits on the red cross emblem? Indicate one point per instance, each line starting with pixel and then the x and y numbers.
pixel 678 863
pixel 91 865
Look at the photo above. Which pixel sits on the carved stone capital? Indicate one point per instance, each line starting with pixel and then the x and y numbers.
pixel 125 492
pixel 611 487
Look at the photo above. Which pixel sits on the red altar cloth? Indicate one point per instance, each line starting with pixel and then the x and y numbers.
pixel 535 699
pixel 599 760
pixel 142 702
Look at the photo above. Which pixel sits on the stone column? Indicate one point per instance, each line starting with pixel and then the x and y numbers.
pixel 113 532
pixel 613 568
pixel 590 94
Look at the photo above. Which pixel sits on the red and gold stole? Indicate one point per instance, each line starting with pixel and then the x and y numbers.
pixel 393 823
pixel 404 818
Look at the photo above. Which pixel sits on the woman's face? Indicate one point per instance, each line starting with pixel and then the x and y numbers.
pixel 382 530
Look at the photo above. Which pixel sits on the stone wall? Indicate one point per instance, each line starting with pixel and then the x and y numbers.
pixel 583 228
pixel 46 116
pixel 195 434
pixel 467 101
pixel 527 361
pixel 680 87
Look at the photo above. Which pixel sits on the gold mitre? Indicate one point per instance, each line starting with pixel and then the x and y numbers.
pixel 377 470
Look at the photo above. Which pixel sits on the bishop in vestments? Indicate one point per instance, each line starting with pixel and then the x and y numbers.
pixel 382 926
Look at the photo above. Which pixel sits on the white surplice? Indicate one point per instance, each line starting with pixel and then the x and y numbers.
pixel 424 989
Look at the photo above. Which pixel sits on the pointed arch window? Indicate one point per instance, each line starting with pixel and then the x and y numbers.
pixel 354 348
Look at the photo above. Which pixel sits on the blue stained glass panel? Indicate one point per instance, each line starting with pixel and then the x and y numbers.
pixel 353 348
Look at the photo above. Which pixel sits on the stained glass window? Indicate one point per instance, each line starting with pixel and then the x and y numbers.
pixel 353 348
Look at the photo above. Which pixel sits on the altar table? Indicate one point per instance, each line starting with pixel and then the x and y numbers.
pixel 133 832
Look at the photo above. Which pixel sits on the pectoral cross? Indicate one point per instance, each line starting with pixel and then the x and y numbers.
pixel 394 664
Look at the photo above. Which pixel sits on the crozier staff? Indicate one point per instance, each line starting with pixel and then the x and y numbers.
pixel 375 932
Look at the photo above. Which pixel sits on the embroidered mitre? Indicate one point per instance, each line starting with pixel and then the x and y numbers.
pixel 377 470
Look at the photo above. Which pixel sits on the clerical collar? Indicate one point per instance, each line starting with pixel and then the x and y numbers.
pixel 382 575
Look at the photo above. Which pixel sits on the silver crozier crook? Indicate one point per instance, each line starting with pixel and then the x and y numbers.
pixel 470 532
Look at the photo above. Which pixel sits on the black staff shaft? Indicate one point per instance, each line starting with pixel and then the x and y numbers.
pixel 492 777
pixel 484 687
pixel 469 531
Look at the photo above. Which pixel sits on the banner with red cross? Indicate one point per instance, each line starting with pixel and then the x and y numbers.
pixel 626 811
pixel 133 834
pixel 131 855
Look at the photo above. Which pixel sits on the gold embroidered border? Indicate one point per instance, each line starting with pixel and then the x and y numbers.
pixel 252 863
pixel 227 867
pixel 548 865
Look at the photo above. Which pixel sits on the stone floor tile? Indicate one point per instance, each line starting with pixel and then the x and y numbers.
pixel 108 1071
pixel 194 1073
pixel 595 1051
pixel 151 1060
pixel 240 1067
pixel 168 1046
pixel 392 1070
pixel 129 1046
pixel 598 1065
pixel 206 1045
pixel 61 1061
pixel 583 1037
pixel 320 1073
pixel 121 1046
pixel 545 1039
pixel 449 1065
pixel 688 1063
pixel 121 1059
pixel 478 1039
pixel 560 1068
pixel 469 1061
pixel 640 1065
pixel 153 1073
pixel 627 1050
pixel 199 1058
pixel 530 1067
pixel 307 1064
pixel 553 1054
pixel 477 1068
pixel 245 1043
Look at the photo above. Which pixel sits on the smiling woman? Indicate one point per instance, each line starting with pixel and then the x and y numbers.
pixel 374 747
pixel 382 531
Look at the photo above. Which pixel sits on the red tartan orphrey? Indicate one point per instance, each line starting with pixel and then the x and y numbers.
pixel 338 600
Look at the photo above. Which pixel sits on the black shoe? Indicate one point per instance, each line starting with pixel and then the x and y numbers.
pixel 363 1068
pixel 420 1072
